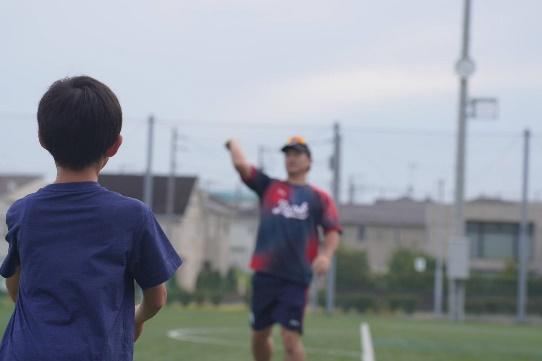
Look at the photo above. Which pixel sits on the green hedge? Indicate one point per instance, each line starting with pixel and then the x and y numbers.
pixel 374 303
pixel 211 287
pixel 404 289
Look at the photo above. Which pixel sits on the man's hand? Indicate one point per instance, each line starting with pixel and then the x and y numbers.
pixel 321 264
pixel 232 144
pixel 238 158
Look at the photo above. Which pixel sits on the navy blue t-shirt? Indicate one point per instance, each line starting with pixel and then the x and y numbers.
pixel 80 247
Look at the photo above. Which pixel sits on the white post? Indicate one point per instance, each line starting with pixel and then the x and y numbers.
pixel 524 236
pixel 147 184
pixel 336 167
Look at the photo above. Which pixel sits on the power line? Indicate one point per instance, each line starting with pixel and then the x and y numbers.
pixel 253 126
pixel 257 126
pixel 429 132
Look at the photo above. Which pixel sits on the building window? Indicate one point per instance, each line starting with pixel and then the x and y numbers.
pixel 361 233
pixel 494 240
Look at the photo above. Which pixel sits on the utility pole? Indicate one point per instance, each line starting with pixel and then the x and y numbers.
pixel 336 168
pixel 524 234
pixel 170 194
pixel 170 191
pixel 439 266
pixel 355 187
pixel 148 180
pixel 261 159
pixel 458 254
pixel 238 195
pixel 412 167
pixel 352 191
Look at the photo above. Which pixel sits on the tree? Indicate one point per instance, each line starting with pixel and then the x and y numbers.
pixel 352 269
pixel 402 274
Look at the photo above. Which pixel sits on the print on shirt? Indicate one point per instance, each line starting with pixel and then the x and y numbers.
pixel 294 211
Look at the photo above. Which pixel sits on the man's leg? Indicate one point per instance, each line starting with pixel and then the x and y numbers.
pixel 293 347
pixel 262 348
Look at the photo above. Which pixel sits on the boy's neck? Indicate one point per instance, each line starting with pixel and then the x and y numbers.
pixel 89 174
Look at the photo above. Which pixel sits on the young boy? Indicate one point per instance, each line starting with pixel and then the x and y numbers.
pixel 76 248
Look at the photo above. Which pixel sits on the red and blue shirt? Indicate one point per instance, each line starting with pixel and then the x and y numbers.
pixel 291 220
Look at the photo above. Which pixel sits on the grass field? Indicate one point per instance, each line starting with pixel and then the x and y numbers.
pixel 223 335
pixel 207 334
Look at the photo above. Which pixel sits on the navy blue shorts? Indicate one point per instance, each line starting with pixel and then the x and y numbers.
pixel 275 300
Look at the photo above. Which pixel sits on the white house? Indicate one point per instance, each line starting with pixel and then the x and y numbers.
pixel 199 227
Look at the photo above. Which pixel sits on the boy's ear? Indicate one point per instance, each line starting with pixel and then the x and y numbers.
pixel 113 149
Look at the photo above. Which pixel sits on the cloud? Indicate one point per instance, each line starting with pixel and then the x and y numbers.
pixel 329 91
pixel 509 77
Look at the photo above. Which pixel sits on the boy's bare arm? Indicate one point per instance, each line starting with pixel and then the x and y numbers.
pixel 238 158
pixel 12 284
pixel 154 299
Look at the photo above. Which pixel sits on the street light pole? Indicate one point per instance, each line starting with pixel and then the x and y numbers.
pixel 439 266
pixel 459 244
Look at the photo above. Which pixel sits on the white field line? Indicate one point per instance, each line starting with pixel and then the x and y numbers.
pixel 205 337
pixel 367 351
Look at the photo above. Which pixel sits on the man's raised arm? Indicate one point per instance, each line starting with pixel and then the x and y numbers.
pixel 238 158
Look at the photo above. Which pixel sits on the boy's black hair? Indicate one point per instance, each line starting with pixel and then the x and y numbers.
pixel 79 118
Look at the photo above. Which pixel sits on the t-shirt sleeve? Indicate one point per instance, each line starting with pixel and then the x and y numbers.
pixel 13 220
pixel 330 214
pixel 258 181
pixel 154 260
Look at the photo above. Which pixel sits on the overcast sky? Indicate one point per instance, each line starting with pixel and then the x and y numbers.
pixel 263 70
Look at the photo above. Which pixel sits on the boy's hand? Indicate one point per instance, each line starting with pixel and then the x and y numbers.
pixel 138 330
pixel 138 323
pixel 12 284
pixel 154 298
pixel 321 264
